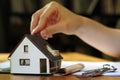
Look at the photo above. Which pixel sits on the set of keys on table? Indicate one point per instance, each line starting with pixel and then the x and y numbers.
pixel 100 71
pixel 106 68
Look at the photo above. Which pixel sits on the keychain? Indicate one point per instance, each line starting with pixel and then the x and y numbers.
pixel 100 71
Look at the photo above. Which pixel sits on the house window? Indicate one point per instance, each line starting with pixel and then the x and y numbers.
pixel 25 48
pixel 25 62
pixel 54 65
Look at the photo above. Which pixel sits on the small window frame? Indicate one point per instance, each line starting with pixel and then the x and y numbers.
pixel 24 62
pixel 26 48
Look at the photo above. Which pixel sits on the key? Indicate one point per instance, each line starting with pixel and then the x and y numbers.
pixel 98 72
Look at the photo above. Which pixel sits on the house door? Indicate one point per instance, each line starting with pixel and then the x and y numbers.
pixel 43 66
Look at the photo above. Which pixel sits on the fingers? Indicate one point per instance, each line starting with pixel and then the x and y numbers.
pixel 35 19
pixel 40 19
pixel 49 31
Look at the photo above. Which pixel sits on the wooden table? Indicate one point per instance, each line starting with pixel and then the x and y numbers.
pixel 67 57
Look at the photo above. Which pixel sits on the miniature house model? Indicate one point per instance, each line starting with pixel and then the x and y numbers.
pixel 33 55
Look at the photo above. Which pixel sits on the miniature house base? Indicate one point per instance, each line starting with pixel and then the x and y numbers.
pixel 33 55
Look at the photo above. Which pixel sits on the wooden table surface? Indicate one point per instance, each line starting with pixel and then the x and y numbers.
pixel 67 57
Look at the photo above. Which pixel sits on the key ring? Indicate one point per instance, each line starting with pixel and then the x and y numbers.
pixel 109 68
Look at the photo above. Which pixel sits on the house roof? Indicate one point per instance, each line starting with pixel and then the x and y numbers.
pixel 40 43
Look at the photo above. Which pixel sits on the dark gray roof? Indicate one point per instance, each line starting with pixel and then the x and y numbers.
pixel 40 43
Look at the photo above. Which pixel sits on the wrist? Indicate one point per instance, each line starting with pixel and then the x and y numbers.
pixel 81 23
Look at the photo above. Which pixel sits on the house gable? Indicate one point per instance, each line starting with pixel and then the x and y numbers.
pixel 32 49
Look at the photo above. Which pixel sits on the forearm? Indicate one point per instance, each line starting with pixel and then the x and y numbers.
pixel 101 37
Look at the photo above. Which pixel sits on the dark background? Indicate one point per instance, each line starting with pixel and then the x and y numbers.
pixel 15 16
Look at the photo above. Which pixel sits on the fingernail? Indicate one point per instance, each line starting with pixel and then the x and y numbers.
pixel 33 32
pixel 44 35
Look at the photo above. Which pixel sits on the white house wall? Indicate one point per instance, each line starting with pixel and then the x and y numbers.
pixel 33 54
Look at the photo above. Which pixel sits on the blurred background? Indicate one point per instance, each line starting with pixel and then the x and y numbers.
pixel 15 16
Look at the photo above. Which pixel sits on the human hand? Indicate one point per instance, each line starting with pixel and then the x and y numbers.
pixel 52 19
